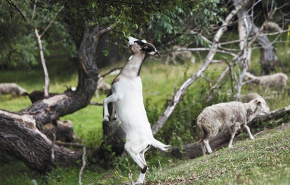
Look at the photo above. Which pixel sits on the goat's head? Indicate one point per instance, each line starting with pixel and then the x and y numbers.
pixel 137 45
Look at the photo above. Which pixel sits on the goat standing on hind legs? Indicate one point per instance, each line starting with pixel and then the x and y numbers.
pixel 127 101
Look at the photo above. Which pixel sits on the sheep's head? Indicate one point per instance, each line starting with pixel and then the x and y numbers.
pixel 261 105
pixel 137 45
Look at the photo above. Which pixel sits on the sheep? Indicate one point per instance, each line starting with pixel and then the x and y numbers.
pixel 232 115
pixel 245 98
pixel 128 106
pixel 277 81
pixel 11 88
pixel 174 53
pixel 102 87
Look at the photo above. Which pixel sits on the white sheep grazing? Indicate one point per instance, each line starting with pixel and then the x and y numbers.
pixel 232 115
pixel 11 88
pixel 128 106
pixel 175 53
pixel 277 81
pixel 245 98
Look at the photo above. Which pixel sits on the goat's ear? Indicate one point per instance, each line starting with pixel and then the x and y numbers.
pixel 140 42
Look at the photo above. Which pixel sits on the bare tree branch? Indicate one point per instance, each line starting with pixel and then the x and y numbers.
pixel 206 49
pixel 178 95
pixel 51 22
pixel 83 165
pixel 47 81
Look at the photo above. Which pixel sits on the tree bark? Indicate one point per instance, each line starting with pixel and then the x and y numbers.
pixel 194 150
pixel 20 134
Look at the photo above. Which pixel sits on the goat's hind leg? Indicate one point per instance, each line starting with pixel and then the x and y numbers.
pixel 138 157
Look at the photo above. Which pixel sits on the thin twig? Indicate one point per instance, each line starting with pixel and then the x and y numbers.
pixel 110 71
pixel 96 103
pixel 83 165
pixel 12 4
pixel 206 49
pixel 50 23
pixel 65 144
pixel 52 148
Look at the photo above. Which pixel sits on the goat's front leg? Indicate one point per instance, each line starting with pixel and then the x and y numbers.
pixel 112 98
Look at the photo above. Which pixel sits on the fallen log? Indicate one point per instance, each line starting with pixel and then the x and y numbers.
pixel 221 140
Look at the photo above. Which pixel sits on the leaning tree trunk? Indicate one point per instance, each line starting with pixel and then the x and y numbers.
pixel 268 56
pixel 20 134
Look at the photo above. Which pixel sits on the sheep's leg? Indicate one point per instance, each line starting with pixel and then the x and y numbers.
pixel 206 144
pixel 249 132
pixel 234 128
pixel 203 147
pixel 112 98
pixel 232 138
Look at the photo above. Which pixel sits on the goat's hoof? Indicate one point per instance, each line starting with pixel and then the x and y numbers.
pixel 252 138
pixel 105 119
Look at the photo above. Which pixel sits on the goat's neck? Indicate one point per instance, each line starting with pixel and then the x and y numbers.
pixel 133 67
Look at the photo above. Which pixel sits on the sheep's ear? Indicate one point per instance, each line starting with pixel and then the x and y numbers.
pixel 258 102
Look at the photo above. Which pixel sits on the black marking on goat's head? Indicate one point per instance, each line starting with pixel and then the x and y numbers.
pixel 143 45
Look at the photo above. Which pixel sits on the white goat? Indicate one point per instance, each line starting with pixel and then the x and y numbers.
pixel 11 88
pixel 128 106
pixel 277 81
pixel 232 114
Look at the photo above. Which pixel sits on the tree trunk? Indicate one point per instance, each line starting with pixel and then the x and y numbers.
pixel 20 134
pixel 20 138
pixel 268 56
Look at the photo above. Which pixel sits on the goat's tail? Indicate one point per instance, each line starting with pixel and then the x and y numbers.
pixel 161 146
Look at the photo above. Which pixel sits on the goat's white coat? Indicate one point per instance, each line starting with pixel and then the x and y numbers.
pixel 128 105
pixel 232 114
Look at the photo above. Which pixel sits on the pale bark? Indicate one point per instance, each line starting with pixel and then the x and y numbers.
pixel 46 77
pixel 268 56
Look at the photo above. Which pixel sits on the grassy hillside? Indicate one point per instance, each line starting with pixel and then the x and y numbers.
pixel 262 161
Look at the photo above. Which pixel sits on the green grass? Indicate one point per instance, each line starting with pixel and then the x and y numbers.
pixel 265 160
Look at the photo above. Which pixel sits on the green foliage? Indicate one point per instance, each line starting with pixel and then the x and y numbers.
pixel 18 46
